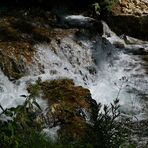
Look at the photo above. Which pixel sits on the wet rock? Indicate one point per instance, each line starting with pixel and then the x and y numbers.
pixel 130 40
pixel 69 105
pixel 79 21
pixel 18 35
pixel 14 58
pixel 131 25
pixel 92 70
pixel 119 44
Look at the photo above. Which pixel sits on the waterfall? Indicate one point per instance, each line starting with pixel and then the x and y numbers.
pixel 92 62
pixel 10 93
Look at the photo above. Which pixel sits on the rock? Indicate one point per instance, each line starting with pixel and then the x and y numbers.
pixel 14 57
pixel 131 25
pixel 18 34
pixel 130 17
pixel 133 41
pixel 119 44
pixel 69 105
pixel 133 6
pixel 79 21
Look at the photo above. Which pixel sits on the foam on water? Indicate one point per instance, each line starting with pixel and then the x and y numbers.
pixel 10 93
pixel 91 62
pixel 69 61
pixel 125 71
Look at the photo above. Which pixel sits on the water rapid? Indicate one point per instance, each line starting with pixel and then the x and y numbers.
pixel 94 62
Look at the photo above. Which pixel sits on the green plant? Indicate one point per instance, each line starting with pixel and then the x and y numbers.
pixel 104 6
pixel 22 129
pixel 97 8
pixel 106 131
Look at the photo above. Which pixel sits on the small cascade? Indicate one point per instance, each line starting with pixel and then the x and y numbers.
pixel 105 65
pixel 10 93
pixel 124 79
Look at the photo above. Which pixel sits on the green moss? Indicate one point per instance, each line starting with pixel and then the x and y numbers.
pixel 64 90
pixel 66 102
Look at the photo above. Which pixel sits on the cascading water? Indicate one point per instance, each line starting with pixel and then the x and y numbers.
pixel 125 78
pixel 92 62
pixel 10 93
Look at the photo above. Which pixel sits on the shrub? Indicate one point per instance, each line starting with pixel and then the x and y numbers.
pixel 105 131
pixel 104 6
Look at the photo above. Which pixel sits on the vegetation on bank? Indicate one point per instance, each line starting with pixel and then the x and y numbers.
pixel 104 6
pixel 26 122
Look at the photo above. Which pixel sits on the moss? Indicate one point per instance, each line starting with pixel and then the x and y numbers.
pixel 72 132
pixel 64 91
pixel 67 103
pixel 13 58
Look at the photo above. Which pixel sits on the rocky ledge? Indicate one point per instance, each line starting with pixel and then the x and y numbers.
pixel 21 33
pixel 130 17
pixel 131 7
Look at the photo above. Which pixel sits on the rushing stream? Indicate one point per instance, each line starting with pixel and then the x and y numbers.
pixel 93 62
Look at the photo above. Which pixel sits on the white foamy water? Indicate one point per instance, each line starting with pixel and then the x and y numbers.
pixel 10 93
pixel 92 62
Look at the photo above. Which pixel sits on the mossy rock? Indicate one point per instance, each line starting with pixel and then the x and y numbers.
pixel 14 58
pixel 68 105
pixel 129 17
pixel 19 32
pixel 64 91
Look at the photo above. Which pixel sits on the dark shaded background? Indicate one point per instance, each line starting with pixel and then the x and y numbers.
pixel 74 4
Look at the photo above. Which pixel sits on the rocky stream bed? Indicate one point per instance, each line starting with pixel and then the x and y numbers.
pixel 83 59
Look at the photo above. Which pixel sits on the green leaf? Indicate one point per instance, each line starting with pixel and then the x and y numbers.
pixel 37 105
pixel 125 145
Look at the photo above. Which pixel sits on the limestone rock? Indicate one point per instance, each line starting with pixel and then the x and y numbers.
pixel 130 17
pixel 126 7
pixel 14 58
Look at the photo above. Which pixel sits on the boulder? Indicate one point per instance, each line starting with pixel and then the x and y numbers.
pixel 130 17
pixel 79 21
pixel 70 107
